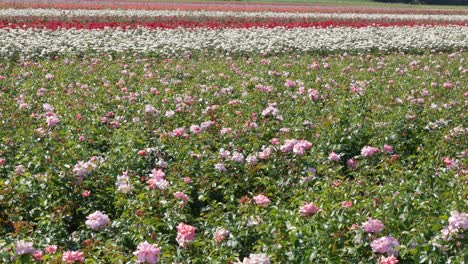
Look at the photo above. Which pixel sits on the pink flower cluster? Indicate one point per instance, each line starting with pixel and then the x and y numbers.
pixel 147 253
pixel 182 196
pixel 369 151
pixel 450 163
pixel 51 249
pixel 82 168
pixel 297 146
pixel 372 226
pixel 309 209
pixel 97 220
pixel 385 244
pixel 272 110
pixel 52 120
pixel 185 234
pixel 24 248
pixel 157 180
pixel 457 222
pixel 262 200
pixel 334 157
pixel 72 256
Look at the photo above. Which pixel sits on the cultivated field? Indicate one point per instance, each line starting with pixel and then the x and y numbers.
pixel 263 133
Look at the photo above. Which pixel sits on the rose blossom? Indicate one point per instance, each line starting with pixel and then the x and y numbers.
pixel 147 253
pixel 351 164
pixel 309 209
pixel 195 129
pixel 265 153
pixel 187 180
pixel 23 248
pixel 185 234
pixel 97 220
pixel 72 256
pixel 51 249
pixel 334 157
pixel 181 195
pixel 388 149
pixel 368 151
pixel 448 85
pixel 52 120
pixel 237 157
pixel 384 245
pixel 220 167
pixel 388 260
pixel 37 255
pixel 157 180
pixel 251 159
pixel 450 163
pixel 262 200
pixel 372 226
pixel 224 153
pixel 458 220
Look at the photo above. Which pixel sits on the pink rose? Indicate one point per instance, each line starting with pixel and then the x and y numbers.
pixel 334 157
pixel 262 200
pixel 384 245
pixel 72 256
pixel 448 85
pixel 373 226
pixel 388 149
pixel 185 234
pixel 147 253
pixel 37 255
pixel 97 220
pixel 388 260
pixel 309 209
pixel 369 151
pixel 351 164
pixel 51 249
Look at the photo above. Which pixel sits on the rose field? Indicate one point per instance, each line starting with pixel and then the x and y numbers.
pixel 232 133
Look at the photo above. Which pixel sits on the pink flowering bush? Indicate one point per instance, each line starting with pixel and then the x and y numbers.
pixel 205 157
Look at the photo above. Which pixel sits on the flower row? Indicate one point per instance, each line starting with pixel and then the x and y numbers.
pixel 4 13
pixel 45 42
pixel 231 6
pixel 214 24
